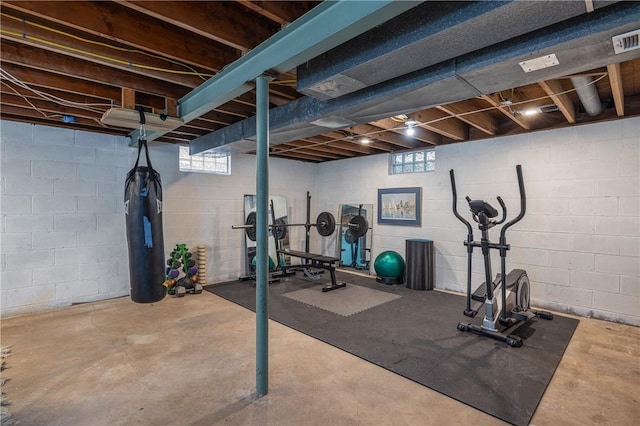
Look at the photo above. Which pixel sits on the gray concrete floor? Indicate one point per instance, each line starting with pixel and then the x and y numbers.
pixel 191 361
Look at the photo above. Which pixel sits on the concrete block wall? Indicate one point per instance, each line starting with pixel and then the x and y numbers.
pixel 62 235
pixel 580 238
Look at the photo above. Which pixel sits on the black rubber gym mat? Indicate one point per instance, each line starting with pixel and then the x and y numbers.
pixel 415 336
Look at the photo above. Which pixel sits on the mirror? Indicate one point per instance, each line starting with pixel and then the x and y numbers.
pixel 278 214
pixel 355 253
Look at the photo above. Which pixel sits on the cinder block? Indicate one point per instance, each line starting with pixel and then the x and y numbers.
pixel 75 256
pixel 630 246
pixel 85 222
pixel 24 185
pixel 122 158
pixel 630 285
pixel 596 281
pixel 617 187
pixel 29 223
pixel 572 260
pixel 103 204
pixel 16 132
pixel 29 259
pixel 627 226
pixel 52 240
pixel 114 286
pixel 623 265
pixel 103 237
pixel 20 241
pixel 98 270
pixel 571 296
pixel 630 164
pixel 53 169
pixel 540 240
pixel 74 290
pixel 15 166
pixel 96 173
pixel 629 206
pixel 74 187
pixel 16 204
pixel 595 243
pixel 17 279
pixel 55 274
pixel 610 130
pixel 547 275
pixel 119 253
pixel 55 204
pixel 52 135
pixel 29 297
pixel 618 303
pixel 95 140
pixel 114 222
pixel 110 188
pixel 593 206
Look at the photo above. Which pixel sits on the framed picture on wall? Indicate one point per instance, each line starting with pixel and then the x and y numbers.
pixel 400 206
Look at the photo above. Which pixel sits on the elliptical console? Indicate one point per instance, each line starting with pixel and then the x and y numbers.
pixel 505 314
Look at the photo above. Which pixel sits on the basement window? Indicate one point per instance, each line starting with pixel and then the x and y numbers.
pixel 420 161
pixel 205 162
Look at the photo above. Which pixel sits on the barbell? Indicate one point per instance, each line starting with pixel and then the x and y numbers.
pixel 325 225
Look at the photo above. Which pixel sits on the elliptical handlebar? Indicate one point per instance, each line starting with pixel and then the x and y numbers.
pixel 455 203
pixel 523 204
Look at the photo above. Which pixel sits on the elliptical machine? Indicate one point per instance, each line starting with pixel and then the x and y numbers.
pixel 505 314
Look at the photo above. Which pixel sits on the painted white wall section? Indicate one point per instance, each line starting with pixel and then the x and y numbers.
pixel 63 237
pixel 580 238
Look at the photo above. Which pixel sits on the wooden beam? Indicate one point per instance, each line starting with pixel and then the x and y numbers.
pixel 615 79
pixel 128 98
pixel 554 89
pixel 34 57
pixel 282 12
pixel 68 85
pixel 503 109
pixel 221 21
pixel 421 134
pixel 441 123
pixel 465 111
pixel 136 30
pixel 122 58
pixel 377 132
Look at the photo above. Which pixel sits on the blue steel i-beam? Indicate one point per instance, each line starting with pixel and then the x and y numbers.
pixel 262 236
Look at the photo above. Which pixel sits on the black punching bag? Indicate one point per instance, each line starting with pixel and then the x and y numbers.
pixel 143 212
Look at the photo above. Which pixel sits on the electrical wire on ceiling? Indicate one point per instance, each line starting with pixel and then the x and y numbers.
pixel 65 102
pixel 26 36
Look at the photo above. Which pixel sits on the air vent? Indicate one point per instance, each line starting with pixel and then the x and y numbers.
pixel 627 41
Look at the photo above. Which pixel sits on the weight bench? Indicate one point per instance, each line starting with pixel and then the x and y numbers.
pixel 317 261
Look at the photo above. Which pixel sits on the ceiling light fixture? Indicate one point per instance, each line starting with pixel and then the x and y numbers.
pixel 410 127
pixel 533 111
pixel 365 140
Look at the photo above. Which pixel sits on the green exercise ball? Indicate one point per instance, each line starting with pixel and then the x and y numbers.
pixel 389 264
pixel 272 264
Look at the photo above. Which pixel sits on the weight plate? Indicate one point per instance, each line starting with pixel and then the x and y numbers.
pixel 358 226
pixel 251 232
pixel 349 237
pixel 279 230
pixel 325 224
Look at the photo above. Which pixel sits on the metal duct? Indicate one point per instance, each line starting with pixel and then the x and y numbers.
pixel 588 94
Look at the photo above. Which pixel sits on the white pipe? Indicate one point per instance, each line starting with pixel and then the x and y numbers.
pixel 586 90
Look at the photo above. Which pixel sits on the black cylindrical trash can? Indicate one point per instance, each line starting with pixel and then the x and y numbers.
pixel 420 264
